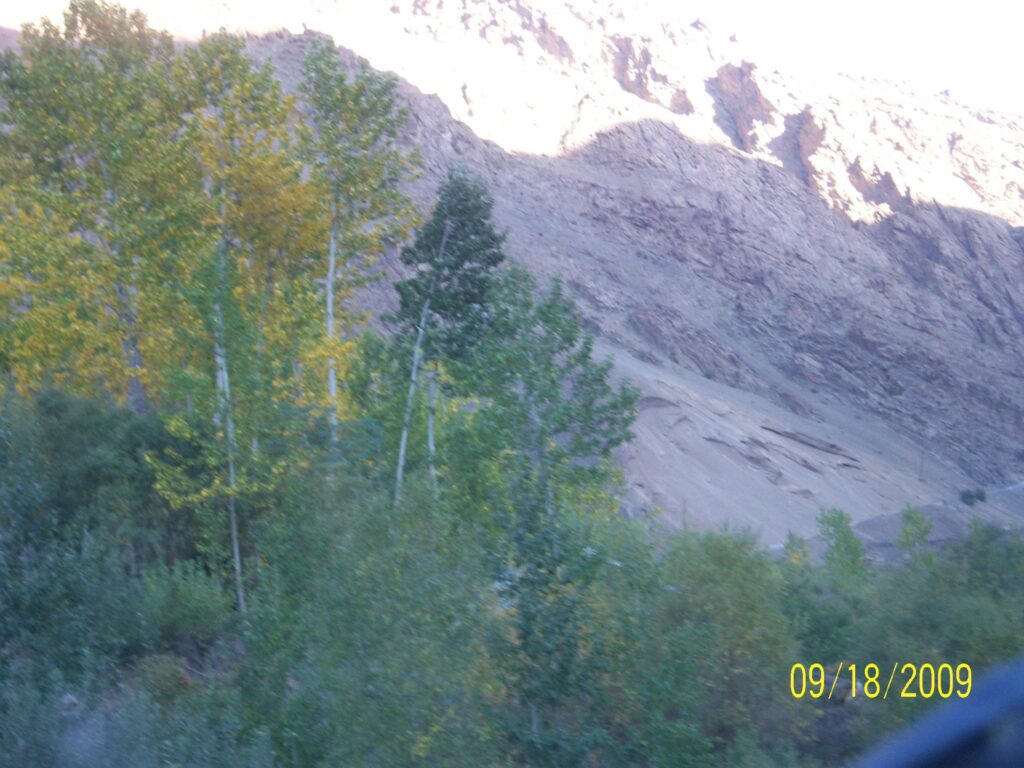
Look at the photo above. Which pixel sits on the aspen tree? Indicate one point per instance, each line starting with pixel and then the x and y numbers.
pixel 252 281
pixel 351 147
pixel 94 125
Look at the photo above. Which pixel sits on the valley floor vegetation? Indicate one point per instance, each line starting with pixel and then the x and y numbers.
pixel 238 530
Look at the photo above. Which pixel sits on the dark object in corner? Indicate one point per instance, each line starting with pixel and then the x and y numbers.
pixel 985 730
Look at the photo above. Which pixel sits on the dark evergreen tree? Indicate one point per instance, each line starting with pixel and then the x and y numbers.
pixel 443 303
pixel 454 254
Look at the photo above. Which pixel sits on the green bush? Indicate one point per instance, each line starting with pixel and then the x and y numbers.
pixel 914 530
pixel 78 520
pixel 29 719
pixel 164 677
pixel 972 496
pixel 73 609
pixel 52 726
pixel 363 643
pixel 845 556
pixel 184 603
pixel 724 598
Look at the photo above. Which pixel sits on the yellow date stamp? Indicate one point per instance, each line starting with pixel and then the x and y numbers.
pixel 904 680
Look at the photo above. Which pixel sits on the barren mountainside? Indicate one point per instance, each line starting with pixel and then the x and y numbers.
pixel 819 285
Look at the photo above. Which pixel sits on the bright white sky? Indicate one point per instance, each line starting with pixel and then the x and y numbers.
pixel 970 48
pixel 973 49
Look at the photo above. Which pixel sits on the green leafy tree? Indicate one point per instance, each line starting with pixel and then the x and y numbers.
pixel 94 135
pixel 250 285
pixel 443 304
pixel 449 288
pixel 914 531
pixel 845 555
pixel 537 369
pixel 827 605
pixel 556 418
pixel 351 145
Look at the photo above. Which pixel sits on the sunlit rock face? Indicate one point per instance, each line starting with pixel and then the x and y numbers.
pixel 818 282
pixel 543 78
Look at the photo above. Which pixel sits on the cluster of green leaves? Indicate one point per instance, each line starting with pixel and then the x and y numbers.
pixel 454 255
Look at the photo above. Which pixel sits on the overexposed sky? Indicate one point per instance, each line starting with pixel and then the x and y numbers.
pixel 971 48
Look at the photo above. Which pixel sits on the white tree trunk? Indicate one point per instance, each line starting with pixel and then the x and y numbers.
pixel 431 407
pixel 137 398
pixel 332 373
pixel 409 399
pixel 416 355
pixel 227 418
pixel 226 413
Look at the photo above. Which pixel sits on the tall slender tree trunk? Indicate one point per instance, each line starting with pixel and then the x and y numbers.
pixel 227 415
pixel 431 409
pixel 138 401
pixel 258 393
pixel 126 314
pixel 332 373
pixel 540 455
pixel 416 359
pixel 226 411
pixel 409 400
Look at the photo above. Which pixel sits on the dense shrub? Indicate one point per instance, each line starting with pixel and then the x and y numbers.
pixel 185 604
pixel 972 496
pixel 379 635
pixel 56 727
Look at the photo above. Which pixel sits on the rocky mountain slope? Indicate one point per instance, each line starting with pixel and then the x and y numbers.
pixel 818 285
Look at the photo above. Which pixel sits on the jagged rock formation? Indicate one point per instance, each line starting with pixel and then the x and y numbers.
pixel 820 288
